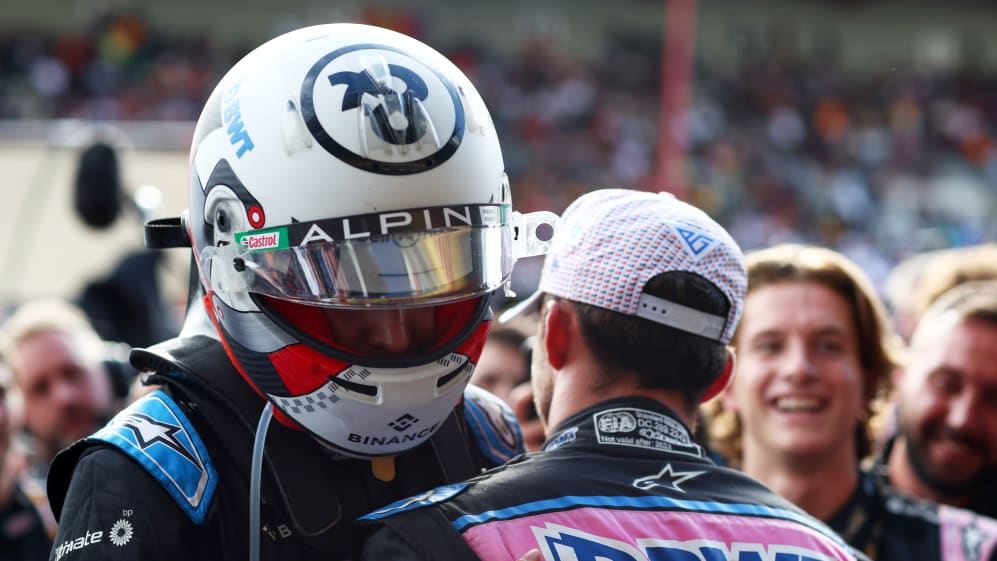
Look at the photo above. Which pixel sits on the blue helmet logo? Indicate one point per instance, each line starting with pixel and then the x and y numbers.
pixel 380 110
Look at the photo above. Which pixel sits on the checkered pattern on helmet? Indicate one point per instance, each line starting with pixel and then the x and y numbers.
pixel 307 403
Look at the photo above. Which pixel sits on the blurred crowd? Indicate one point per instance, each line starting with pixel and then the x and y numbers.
pixel 118 68
pixel 879 165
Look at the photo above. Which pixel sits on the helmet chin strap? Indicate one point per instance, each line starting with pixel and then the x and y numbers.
pixel 254 482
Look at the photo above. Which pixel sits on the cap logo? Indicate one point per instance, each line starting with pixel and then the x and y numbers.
pixel 379 109
pixel 698 243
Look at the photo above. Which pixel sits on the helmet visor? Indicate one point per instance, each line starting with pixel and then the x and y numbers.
pixel 390 259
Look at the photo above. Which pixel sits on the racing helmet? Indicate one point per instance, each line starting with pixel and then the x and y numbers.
pixel 339 169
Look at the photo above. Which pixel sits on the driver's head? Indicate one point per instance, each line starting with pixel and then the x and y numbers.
pixel 351 217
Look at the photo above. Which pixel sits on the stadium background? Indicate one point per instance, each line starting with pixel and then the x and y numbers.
pixel 863 125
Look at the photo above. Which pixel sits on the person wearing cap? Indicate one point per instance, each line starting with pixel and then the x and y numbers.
pixel 816 352
pixel 638 298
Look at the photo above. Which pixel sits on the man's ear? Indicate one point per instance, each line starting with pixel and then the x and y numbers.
pixel 721 383
pixel 557 325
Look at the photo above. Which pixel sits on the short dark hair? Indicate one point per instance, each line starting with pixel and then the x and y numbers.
pixel 661 357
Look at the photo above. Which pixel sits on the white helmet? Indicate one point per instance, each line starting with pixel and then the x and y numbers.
pixel 346 166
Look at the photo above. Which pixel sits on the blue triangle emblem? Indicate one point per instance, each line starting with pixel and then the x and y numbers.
pixel 697 243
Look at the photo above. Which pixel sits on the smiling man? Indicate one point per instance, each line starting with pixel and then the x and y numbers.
pixel 946 444
pixel 815 351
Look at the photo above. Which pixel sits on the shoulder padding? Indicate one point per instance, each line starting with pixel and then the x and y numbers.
pixel 156 433
pixel 493 425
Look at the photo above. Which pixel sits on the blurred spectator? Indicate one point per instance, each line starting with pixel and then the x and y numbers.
pixel 504 362
pixel 57 360
pixel 23 532
pixel 917 281
pixel 946 443
pixel 815 353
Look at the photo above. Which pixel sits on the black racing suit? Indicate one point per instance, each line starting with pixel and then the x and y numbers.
pixel 888 526
pixel 169 477
pixel 620 481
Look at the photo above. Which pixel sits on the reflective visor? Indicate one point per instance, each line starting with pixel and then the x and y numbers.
pixel 399 258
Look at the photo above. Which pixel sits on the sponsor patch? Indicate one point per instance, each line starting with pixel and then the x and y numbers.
pixel 558 542
pixel 119 535
pixel 157 434
pixel 238 136
pixel 77 544
pixel 263 240
pixel 667 478
pixel 644 429
pixel 375 225
pixel 565 437
pixel 121 532
pixel 697 244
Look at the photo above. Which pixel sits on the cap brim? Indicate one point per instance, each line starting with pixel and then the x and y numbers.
pixel 530 305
